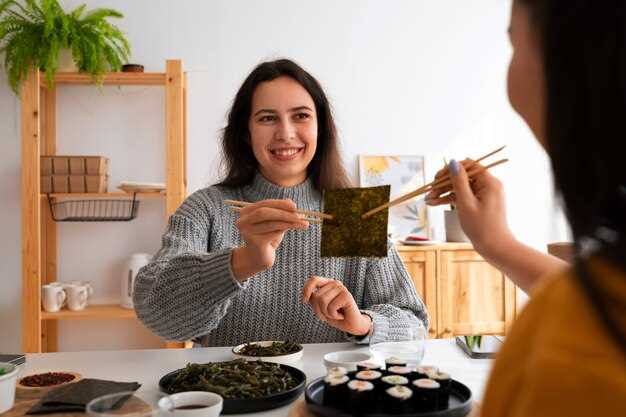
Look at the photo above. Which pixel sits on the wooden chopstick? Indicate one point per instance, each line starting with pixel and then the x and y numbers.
pixel 238 203
pixel 310 220
pixel 442 182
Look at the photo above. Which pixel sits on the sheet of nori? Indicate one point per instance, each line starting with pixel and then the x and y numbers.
pixel 347 234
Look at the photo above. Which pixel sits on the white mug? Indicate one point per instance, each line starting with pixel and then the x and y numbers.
pixel 52 297
pixel 76 297
pixel 86 284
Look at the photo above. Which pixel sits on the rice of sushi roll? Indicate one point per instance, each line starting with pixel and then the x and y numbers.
pixel 426 394
pixel 445 381
pixel 361 396
pixel 394 361
pixel 424 372
pixel 335 390
pixel 368 366
pixel 337 371
pixel 398 399
pixel 400 370
pixel 393 380
pixel 371 376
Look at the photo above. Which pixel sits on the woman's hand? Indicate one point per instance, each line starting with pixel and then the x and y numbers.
pixel 262 226
pixel 480 205
pixel 332 302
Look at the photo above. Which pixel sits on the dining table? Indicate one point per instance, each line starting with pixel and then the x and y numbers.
pixel 147 366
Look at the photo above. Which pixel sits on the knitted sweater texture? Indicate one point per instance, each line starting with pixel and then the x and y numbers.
pixel 188 291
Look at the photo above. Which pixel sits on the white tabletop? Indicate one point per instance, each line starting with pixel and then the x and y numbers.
pixel 148 366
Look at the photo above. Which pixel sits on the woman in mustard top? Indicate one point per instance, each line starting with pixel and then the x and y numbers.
pixel 566 353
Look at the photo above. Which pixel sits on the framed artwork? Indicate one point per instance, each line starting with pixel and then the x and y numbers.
pixel 404 173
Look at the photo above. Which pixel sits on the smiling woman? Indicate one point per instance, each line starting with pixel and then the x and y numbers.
pixel 224 277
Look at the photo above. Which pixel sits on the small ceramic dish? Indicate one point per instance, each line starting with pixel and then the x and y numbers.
pixel 284 359
pixel 192 404
pixel 28 392
pixel 346 358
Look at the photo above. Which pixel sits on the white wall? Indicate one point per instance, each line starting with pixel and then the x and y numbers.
pixel 404 77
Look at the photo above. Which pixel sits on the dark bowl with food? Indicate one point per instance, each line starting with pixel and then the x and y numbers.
pixel 246 386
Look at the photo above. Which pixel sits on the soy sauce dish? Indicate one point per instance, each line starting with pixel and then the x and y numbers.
pixel 276 351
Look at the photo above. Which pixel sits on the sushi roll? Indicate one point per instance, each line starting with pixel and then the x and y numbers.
pixel 445 381
pixel 398 399
pixel 400 370
pixel 424 372
pixel 368 366
pixel 337 371
pixel 425 394
pixel 361 396
pixel 394 361
pixel 335 390
pixel 390 381
pixel 371 376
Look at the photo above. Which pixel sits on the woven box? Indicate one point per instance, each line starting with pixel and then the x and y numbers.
pixel 77 184
pixel 60 184
pixel 60 165
pixel 96 165
pixel 45 184
pixel 45 165
pixel 77 165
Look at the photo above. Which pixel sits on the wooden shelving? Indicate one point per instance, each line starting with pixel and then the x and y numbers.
pixel 113 78
pixel 97 311
pixel 39 230
pixel 105 195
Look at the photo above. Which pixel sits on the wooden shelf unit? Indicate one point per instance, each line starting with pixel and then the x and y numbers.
pixel 94 311
pixel 39 231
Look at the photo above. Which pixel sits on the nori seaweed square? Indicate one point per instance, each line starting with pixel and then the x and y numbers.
pixel 347 234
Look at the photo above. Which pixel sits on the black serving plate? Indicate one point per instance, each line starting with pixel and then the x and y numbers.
pixel 251 405
pixel 460 403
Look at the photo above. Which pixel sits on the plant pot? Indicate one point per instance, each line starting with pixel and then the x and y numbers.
pixel 7 386
pixel 66 61
pixel 454 231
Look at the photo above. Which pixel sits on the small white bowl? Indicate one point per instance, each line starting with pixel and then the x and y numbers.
pixel 7 386
pixel 346 358
pixel 284 359
pixel 211 404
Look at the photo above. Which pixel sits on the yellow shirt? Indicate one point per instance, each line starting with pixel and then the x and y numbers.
pixel 559 359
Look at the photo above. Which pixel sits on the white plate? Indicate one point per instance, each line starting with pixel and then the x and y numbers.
pixel 420 242
pixel 284 359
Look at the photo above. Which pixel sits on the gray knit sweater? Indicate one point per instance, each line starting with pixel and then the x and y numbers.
pixel 188 290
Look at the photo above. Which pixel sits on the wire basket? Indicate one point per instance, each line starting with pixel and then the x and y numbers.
pixel 105 210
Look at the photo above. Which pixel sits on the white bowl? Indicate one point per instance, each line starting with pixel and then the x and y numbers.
pixel 346 358
pixel 284 359
pixel 7 386
pixel 211 403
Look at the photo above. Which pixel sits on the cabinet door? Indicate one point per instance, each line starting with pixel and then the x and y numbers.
pixel 422 267
pixel 473 297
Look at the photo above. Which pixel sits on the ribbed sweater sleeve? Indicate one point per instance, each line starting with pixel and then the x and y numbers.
pixel 186 290
pixel 391 301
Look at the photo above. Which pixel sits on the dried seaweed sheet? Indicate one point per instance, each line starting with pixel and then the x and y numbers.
pixel 348 235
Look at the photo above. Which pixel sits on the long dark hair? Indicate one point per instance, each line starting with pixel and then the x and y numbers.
pixel 326 169
pixel 583 43
pixel 584 51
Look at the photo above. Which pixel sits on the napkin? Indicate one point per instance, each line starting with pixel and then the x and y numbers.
pixel 74 397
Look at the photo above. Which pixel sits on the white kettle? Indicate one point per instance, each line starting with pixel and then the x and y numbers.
pixel 135 263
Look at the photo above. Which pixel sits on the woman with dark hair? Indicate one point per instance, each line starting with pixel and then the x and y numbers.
pixel 566 354
pixel 223 278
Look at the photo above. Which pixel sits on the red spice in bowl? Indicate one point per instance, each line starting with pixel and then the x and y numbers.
pixel 47 379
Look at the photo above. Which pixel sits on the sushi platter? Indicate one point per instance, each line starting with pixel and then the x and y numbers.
pixel 397 390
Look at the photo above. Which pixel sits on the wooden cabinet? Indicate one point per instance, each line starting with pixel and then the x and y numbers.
pixel 464 295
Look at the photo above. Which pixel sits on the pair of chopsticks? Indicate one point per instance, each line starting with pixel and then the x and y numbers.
pixel 443 182
pixel 310 216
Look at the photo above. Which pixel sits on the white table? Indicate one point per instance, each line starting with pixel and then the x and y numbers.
pixel 148 366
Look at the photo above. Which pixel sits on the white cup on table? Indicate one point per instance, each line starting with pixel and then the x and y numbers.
pixel 77 296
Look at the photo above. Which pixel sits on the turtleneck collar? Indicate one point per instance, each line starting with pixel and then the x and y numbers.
pixel 303 194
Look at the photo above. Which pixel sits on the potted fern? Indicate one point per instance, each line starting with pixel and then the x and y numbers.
pixel 35 32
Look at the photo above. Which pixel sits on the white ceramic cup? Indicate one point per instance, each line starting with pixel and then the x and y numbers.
pixel 86 284
pixel 76 296
pixel 7 386
pixel 206 404
pixel 53 297
pixel 454 231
